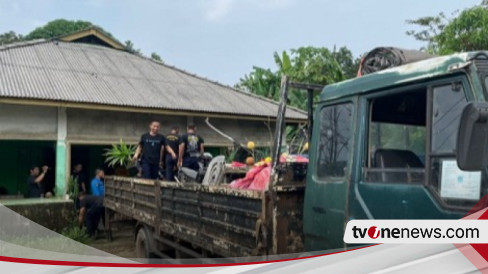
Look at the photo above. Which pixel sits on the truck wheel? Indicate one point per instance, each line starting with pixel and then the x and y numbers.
pixel 143 249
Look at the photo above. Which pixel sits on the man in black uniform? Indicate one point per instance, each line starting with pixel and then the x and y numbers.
pixel 191 146
pixel 80 178
pixel 173 141
pixel 34 182
pixel 91 210
pixel 152 145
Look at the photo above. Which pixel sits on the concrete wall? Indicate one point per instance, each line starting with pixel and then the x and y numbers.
pixel 51 213
pixel 241 130
pixel 21 122
pixel 109 126
pixel 105 127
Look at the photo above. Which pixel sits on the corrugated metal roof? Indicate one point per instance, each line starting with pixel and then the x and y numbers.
pixel 83 73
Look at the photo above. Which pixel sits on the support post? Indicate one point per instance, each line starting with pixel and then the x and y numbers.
pixel 310 113
pixel 61 152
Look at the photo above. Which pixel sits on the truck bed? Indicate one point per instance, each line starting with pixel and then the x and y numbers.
pixel 216 220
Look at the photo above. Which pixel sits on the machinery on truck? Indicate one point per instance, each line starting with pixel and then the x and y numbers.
pixel 387 145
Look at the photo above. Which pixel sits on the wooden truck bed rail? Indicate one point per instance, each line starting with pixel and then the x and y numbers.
pixel 216 219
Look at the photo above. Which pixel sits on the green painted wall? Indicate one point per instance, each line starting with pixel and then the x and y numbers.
pixel 16 159
pixel 60 168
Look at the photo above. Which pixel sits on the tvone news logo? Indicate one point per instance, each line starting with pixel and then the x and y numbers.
pixel 373 232
pixel 416 231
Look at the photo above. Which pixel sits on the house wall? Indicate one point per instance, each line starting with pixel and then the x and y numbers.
pixel 241 130
pixel 21 122
pixel 109 127
pixel 69 127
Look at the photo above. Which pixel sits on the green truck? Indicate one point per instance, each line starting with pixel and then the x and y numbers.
pixel 383 147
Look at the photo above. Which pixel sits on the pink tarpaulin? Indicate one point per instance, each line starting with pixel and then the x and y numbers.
pixel 257 178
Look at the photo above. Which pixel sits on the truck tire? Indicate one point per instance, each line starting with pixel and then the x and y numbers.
pixel 143 246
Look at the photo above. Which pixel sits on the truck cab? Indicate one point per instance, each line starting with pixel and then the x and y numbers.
pixel 384 147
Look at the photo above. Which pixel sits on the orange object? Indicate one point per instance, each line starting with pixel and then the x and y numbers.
pixel 250 161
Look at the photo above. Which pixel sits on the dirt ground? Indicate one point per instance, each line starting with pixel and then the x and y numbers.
pixel 122 243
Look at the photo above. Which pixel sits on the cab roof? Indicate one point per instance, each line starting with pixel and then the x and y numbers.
pixel 420 70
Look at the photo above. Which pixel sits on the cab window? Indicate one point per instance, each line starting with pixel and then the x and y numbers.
pixel 397 138
pixel 452 185
pixel 412 140
pixel 334 141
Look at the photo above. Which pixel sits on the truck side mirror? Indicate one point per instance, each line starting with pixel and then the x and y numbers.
pixel 472 140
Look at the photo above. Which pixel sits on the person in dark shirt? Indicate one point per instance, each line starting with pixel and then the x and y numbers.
pixel 191 147
pixel 80 178
pixel 91 210
pixel 173 141
pixel 34 182
pixel 151 146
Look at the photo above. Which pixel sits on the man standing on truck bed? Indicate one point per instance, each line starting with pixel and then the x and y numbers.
pixel 173 140
pixel 191 146
pixel 152 145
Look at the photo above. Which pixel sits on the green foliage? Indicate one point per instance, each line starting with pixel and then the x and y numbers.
pixel 305 64
pixel 431 27
pixel 76 233
pixel 156 57
pixel 120 155
pixel 58 27
pixel 73 188
pixel 129 46
pixel 262 82
pixel 465 31
pixel 10 37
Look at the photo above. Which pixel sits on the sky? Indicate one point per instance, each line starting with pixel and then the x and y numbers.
pixel 223 39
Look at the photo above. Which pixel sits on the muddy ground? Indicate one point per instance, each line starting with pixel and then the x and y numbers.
pixel 122 243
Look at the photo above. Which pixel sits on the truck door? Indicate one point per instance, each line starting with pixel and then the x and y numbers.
pixel 328 176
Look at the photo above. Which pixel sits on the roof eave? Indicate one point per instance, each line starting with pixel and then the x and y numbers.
pixel 93 106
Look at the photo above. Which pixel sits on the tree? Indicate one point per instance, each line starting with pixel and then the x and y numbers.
pixel 465 31
pixel 10 37
pixel 58 27
pixel 129 46
pixel 316 65
pixel 156 57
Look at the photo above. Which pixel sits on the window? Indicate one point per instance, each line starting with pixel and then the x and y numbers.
pixel 397 138
pixel 400 151
pixel 448 103
pixel 454 186
pixel 334 141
